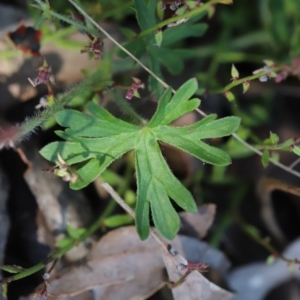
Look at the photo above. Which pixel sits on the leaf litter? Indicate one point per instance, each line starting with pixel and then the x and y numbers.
pixel 121 266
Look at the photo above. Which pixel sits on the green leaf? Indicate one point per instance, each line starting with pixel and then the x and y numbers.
pixel 160 112
pixel 180 104
pixel 73 232
pixel 173 62
pixel 296 150
pixel 153 174
pixel 265 158
pixel 158 37
pixel 12 268
pixel 199 149
pixel 145 13
pixel 271 259
pixel 136 47
pixel 274 138
pixel 188 29
pixel 64 242
pixel 93 141
pixel 89 126
pixel 154 85
pixel 234 72
pixel 117 221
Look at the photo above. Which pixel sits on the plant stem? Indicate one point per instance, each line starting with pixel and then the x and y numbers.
pixel 70 21
pixel 243 80
pixel 118 44
pixel 266 243
pixel 40 118
pixel 60 252
pixel 123 104
pixel 189 14
pixel 165 85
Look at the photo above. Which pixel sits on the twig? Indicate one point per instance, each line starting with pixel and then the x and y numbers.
pixel 295 163
pixel 130 211
pixel 266 243
pixel 243 80
pixel 117 43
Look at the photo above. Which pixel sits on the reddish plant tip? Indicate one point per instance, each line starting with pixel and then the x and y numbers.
pixel 201 267
pixel 96 47
pixel 8 135
pixel 45 76
pixel 133 89
pixel 27 39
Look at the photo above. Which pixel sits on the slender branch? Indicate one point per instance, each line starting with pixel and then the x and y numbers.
pixel 118 44
pixel 40 118
pixel 130 211
pixel 266 243
pixel 123 104
pixel 274 162
pixel 243 80
pixel 43 7
pixel 164 84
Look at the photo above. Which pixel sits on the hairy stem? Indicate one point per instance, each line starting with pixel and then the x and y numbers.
pixel 41 117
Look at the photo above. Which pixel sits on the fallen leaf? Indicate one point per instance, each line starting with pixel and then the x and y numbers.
pixel 121 263
pixel 137 288
pixel 198 224
pixel 110 270
pixel 58 205
pixel 254 281
pixel 195 285
pixel 120 258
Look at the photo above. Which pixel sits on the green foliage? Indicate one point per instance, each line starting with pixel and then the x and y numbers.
pixel 117 221
pixel 94 141
pixel 11 268
pixel 161 52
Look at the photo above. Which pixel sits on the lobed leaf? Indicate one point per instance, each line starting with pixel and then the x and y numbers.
pixel 145 13
pixel 93 142
pixel 166 57
pixel 156 183
pixel 100 125
pixel 186 30
pixel 197 148
pixel 180 104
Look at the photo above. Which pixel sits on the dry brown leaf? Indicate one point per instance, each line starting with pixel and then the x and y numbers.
pixel 120 260
pixel 134 289
pixel 195 285
pixel 110 270
pixel 121 240
pixel 199 251
pixel 59 205
pixel 198 224
pixel 119 257
pixel 126 239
